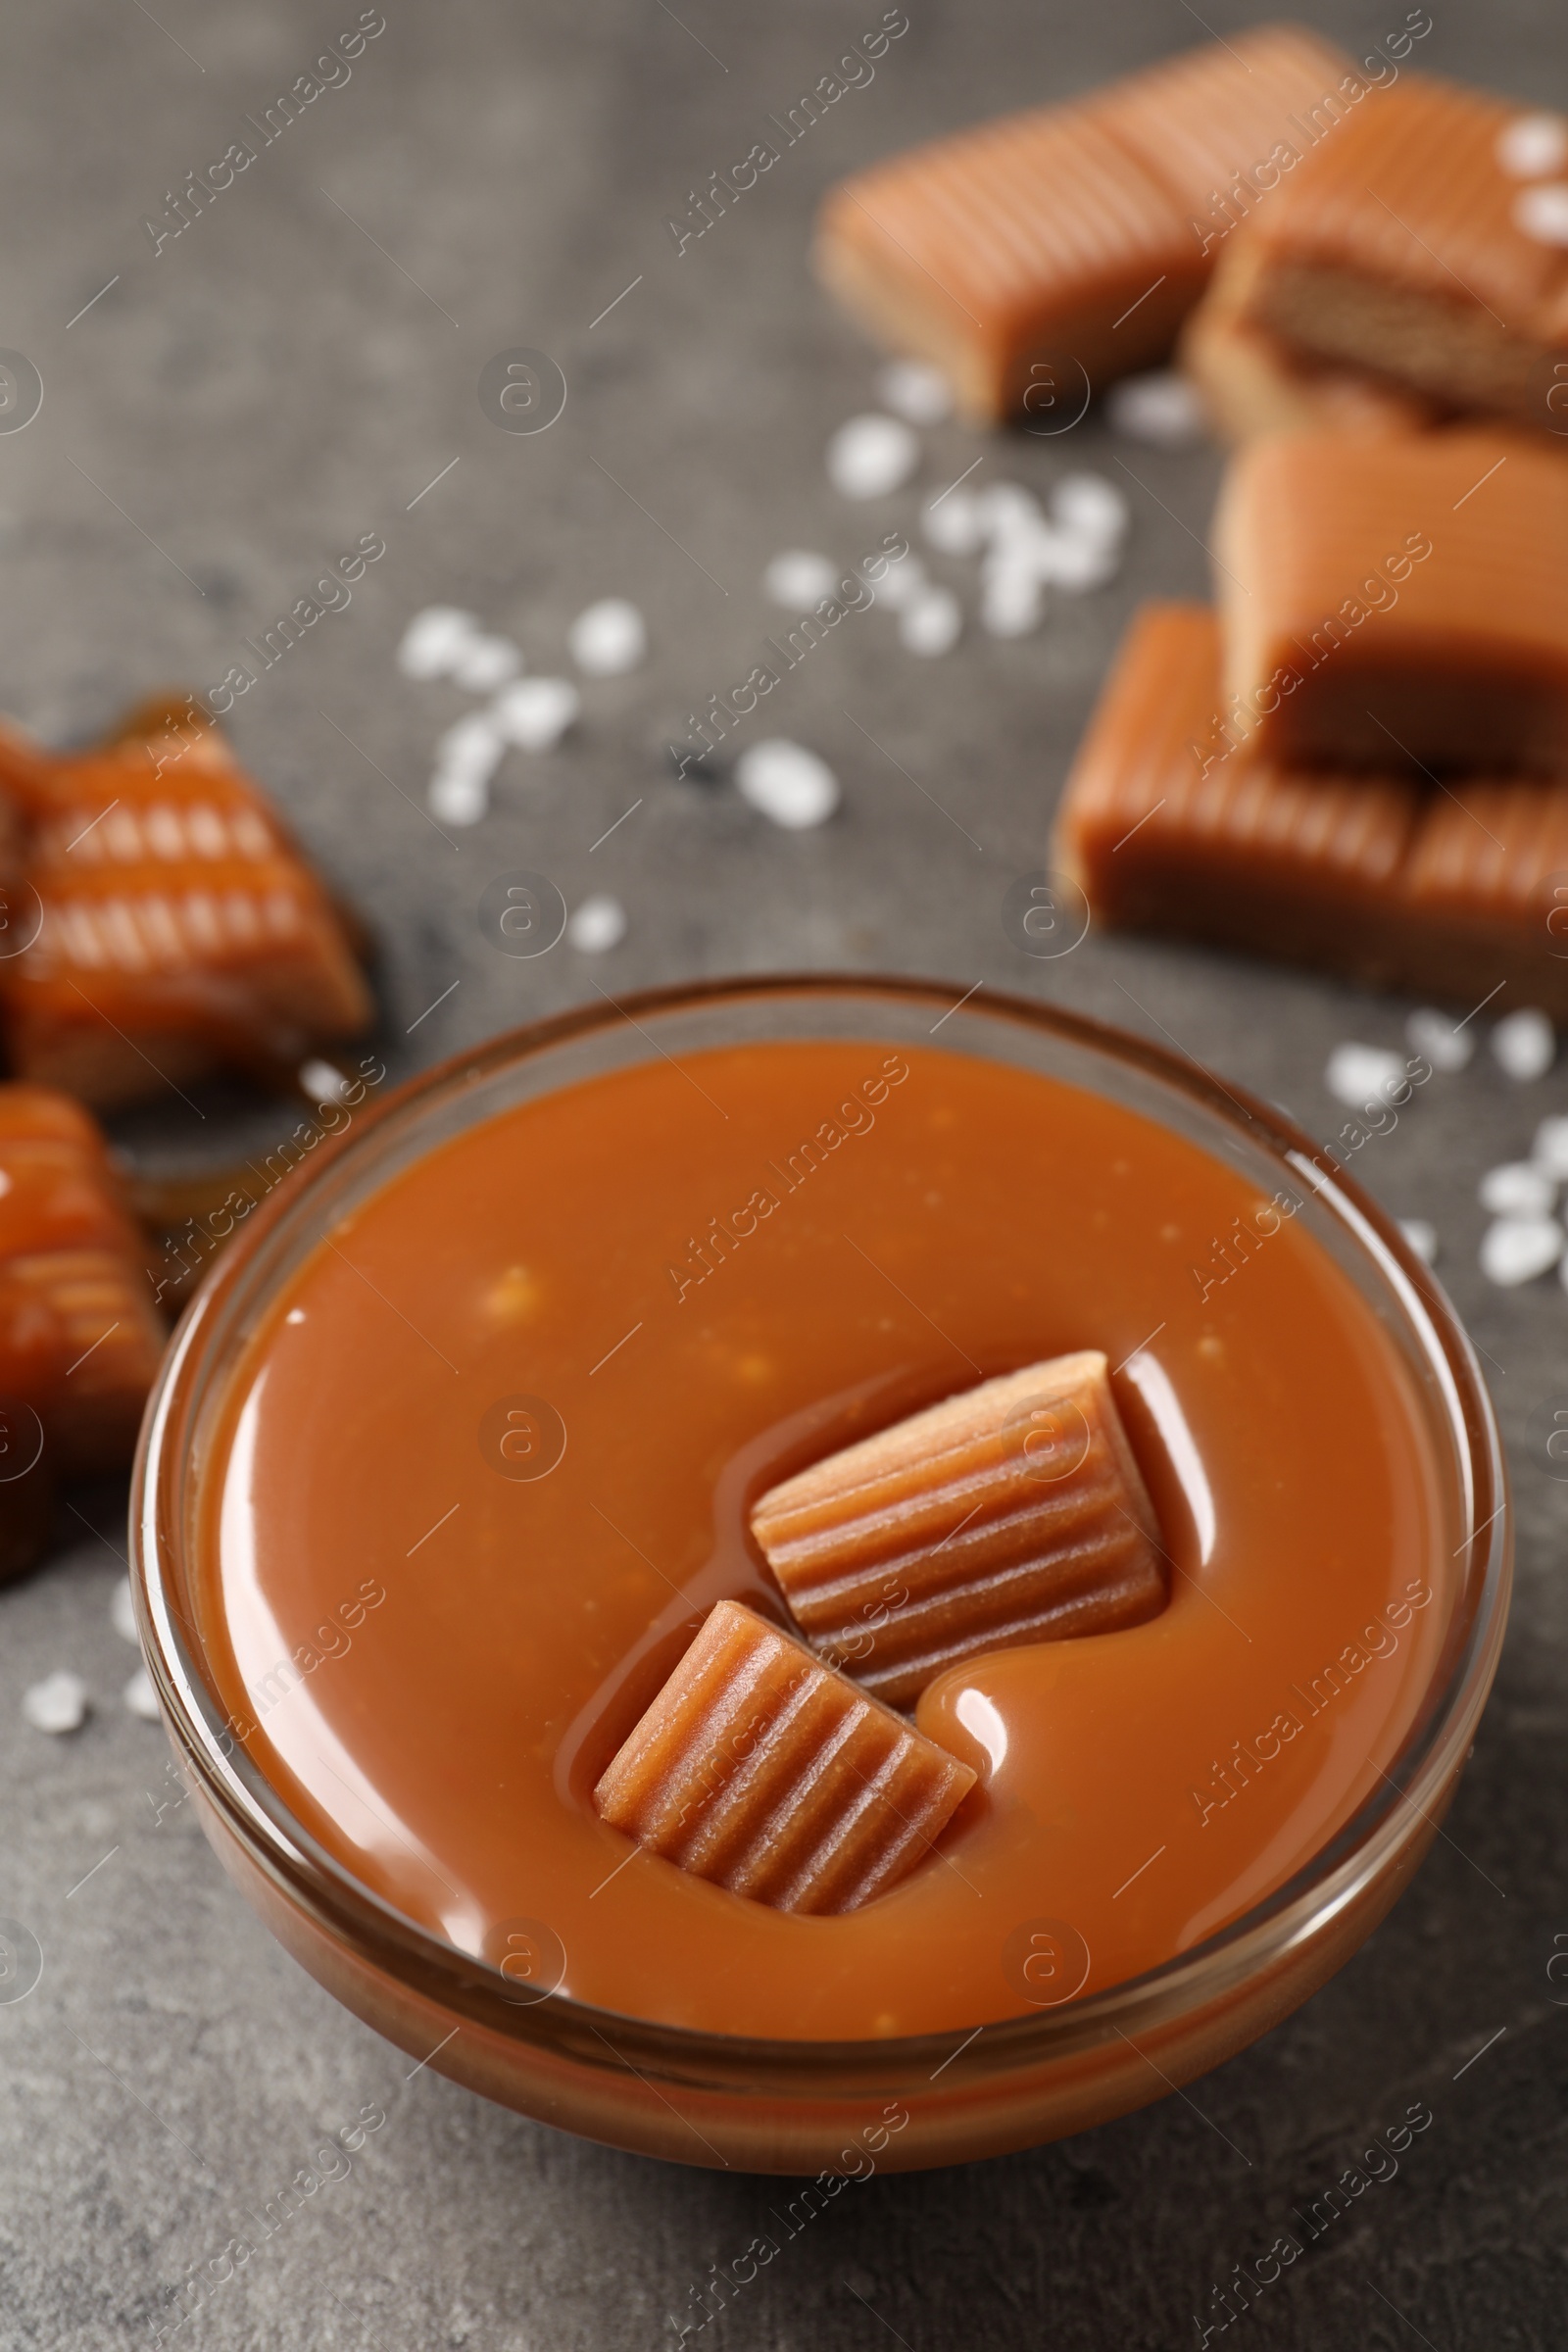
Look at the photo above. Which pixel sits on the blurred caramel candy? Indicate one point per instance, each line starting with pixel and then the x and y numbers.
pixel 1168 827
pixel 1398 604
pixel 1040 255
pixel 1405 245
pixel 1014 1512
pixel 79 1342
pixel 181 930
pixel 760 1769
pixel 1252 381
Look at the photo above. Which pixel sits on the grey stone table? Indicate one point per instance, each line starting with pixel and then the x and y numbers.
pixel 228 409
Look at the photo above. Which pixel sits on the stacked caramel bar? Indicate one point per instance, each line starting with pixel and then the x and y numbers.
pixel 1412 266
pixel 774 1764
pixel 1059 248
pixel 1355 762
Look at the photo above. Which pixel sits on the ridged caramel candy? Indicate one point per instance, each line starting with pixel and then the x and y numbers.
pixel 1392 883
pixel 182 929
pixel 1398 604
pixel 79 1342
pixel 1014 1512
pixel 1065 236
pixel 758 1768
pixel 1398 244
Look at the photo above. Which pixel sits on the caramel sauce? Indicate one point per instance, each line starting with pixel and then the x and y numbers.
pixel 487 1463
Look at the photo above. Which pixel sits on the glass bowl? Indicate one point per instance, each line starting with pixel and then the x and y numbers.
pixel 799 2107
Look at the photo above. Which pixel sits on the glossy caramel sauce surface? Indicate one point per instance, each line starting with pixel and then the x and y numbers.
pixel 668 1288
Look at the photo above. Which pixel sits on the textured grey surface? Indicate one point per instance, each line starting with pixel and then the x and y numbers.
pixel 229 415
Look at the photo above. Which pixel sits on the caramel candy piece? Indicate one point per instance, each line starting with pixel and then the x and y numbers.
pixel 760 1769
pixel 79 1342
pixel 1400 244
pixel 1391 883
pixel 1397 605
pixel 1252 381
pixel 182 929
pixel 1028 255
pixel 1014 1512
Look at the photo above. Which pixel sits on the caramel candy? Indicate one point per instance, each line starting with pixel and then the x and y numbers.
pixel 79 1342
pixel 1014 1512
pixel 1397 605
pixel 760 1769
pixel 1252 381
pixel 1402 243
pixel 1391 883
pixel 182 929
pixel 1042 255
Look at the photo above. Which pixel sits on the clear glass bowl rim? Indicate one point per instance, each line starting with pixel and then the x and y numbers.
pixel 320 1885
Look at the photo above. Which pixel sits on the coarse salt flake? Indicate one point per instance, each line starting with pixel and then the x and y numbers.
pixel 596 925
pixel 787 783
pixel 58 1703
pixel 607 639
pixel 1162 408
pixel 1357 1074
pixel 536 713
pixel 1516 1250
pixel 915 391
pixel 871 456
pixel 1525 1044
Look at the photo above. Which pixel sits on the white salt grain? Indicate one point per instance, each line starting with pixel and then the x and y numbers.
pixel 1077 563
pixel 455 799
pixel 933 624
pixel 1357 1075
pixel 139 1698
pixel 798 579
pixel 598 924
pixel 536 713
pixel 1516 1250
pixel 322 1082
pixel 1517 1190
pixel 1010 602
pixel 1550 1150
pixel 902 584
pixel 474 748
pixel 1162 408
pixel 918 393
pixel 953 522
pixel 609 638
pixel 1422 1237
pixel 58 1703
pixel 1089 508
pixel 1525 1045
pixel 1542 212
pixel 1433 1035
pixel 787 783
pixel 485 663
pixel 433 641
pixel 121 1615
pixel 871 456
pixel 1008 511
pixel 1532 145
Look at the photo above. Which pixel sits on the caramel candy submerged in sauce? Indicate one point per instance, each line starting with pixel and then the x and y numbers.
pixel 1037 255
pixel 181 928
pixel 1167 828
pixel 1400 244
pixel 1012 1513
pixel 759 1769
pixel 1397 605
